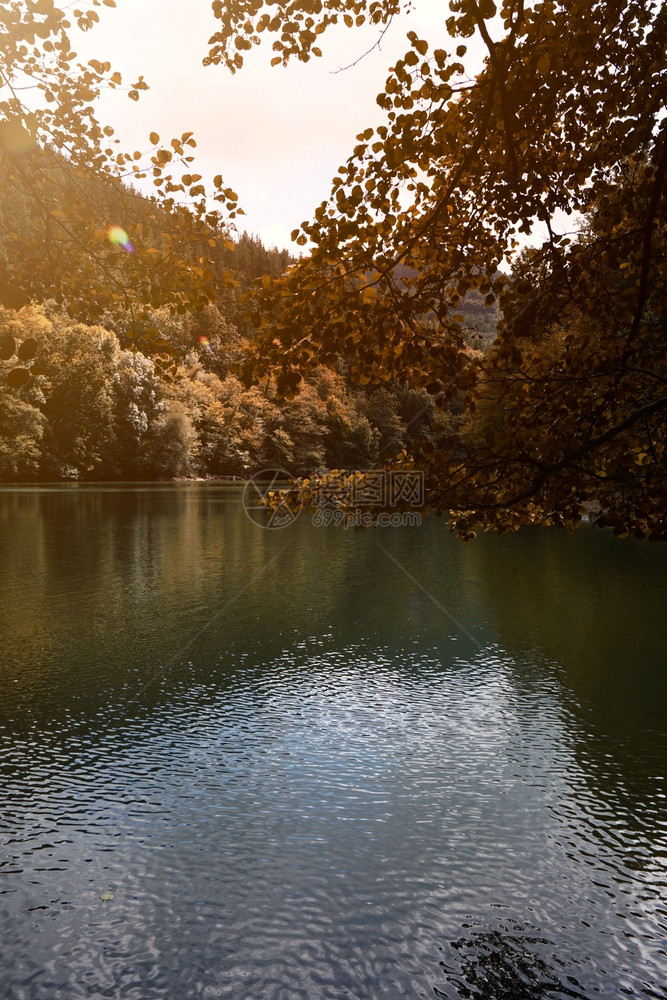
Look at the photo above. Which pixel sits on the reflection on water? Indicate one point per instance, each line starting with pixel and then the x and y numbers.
pixel 322 764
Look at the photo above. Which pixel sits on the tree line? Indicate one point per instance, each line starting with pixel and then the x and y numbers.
pixel 94 409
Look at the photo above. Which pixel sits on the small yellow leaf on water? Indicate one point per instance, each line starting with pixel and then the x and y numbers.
pixel 106 896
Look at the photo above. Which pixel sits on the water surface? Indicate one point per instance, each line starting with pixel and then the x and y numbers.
pixel 313 763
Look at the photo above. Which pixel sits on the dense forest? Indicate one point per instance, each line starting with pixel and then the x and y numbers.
pixel 98 410
pixel 80 400
pixel 93 390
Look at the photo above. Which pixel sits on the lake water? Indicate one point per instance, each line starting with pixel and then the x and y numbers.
pixel 317 763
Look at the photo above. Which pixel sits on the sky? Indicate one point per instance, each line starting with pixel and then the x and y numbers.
pixel 277 135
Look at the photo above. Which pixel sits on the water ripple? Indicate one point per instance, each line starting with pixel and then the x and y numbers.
pixel 334 823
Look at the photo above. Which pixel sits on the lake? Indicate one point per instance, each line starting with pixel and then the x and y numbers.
pixel 321 763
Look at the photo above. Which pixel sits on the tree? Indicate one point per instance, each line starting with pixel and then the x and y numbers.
pixel 73 228
pixel 172 445
pixel 565 116
pixel 78 397
pixel 21 430
pixel 137 405
pixel 571 404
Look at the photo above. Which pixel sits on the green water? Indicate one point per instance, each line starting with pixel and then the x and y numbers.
pixel 320 763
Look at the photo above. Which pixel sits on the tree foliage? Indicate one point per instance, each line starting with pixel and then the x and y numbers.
pixel 566 115
pixel 73 228
pixel 96 410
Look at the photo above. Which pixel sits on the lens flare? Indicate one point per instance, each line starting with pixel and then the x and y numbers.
pixel 119 238
pixel 205 342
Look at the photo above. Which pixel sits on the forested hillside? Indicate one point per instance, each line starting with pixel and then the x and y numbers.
pixel 91 390
pixel 95 409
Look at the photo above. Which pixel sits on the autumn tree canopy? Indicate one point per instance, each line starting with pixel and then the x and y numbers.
pixel 567 115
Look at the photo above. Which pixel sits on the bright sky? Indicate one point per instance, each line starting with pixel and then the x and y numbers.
pixel 276 135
